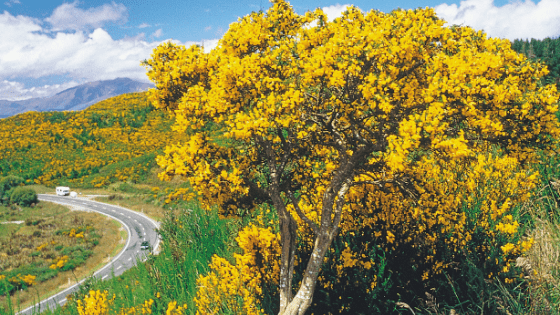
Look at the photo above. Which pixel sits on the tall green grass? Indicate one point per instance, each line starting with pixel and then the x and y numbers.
pixel 190 237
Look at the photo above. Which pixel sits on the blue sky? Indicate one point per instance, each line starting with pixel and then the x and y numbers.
pixel 48 46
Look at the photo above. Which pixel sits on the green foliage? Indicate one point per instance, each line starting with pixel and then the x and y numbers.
pixel 23 196
pixel 7 184
pixel 546 50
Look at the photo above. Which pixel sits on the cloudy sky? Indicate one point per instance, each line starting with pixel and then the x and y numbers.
pixel 47 46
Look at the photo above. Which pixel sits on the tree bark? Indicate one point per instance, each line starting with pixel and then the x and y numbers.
pixel 288 235
pixel 301 302
pixel 288 229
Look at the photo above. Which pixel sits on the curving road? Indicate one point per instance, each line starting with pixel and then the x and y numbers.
pixel 139 227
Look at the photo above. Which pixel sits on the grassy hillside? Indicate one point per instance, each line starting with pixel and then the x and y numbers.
pixel 114 140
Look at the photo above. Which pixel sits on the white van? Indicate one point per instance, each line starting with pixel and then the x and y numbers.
pixel 62 191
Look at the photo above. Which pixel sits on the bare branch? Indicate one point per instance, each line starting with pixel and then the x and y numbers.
pixel 300 213
pixel 409 71
pixel 340 201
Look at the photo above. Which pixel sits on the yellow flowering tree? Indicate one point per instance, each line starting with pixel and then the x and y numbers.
pixel 356 122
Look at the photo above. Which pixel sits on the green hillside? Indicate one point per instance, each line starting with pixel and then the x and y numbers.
pixel 114 140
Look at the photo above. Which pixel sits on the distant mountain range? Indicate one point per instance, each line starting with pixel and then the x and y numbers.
pixel 76 98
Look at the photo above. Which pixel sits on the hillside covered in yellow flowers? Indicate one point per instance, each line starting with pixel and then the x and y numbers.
pixel 114 140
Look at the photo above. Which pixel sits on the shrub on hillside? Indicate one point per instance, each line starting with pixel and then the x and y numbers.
pixel 7 185
pixel 23 196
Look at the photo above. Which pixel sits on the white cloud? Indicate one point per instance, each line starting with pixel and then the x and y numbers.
pixel 516 19
pixel 28 50
pixel 158 33
pixel 143 25
pixel 69 17
pixel 207 28
pixel 207 44
pixel 16 91
pixel 10 2
pixel 335 11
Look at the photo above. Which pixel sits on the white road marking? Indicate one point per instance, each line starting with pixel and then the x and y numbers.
pixel 105 276
pixel 62 301
pixel 119 267
pixel 130 259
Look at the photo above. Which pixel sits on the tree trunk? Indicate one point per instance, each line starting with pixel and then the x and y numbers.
pixel 328 230
pixel 288 237
pixel 304 296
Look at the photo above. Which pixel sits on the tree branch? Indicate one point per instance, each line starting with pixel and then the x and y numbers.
pixel 300 213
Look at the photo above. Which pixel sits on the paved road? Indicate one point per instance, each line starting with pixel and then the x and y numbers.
pixel 139 227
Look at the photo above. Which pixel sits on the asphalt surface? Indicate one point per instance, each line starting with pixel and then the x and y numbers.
pixel 139 228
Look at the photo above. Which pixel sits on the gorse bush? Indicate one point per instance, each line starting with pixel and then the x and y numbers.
pixel 23 196
pixel 411 140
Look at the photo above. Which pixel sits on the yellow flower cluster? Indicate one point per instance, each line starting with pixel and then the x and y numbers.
pixel 42 246
pixel 94 303
pixel 27 279
pixel 73 233
pixel 237 288
pixel 60 262
pixel 144 308
pixel 489 186
pixel 173 309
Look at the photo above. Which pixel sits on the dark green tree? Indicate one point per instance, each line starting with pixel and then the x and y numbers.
pixel 23 196
pixel 7 185
pixel 546 50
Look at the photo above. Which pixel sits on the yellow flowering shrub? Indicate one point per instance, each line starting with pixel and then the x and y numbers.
pixel 173 309
pixel 238 288
pixel 94 303
pixel 144 308
pixel 60 262
pixel 411 138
